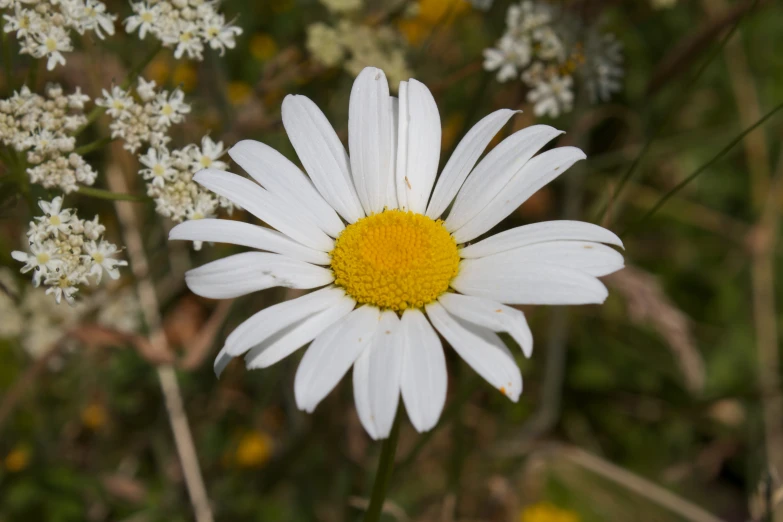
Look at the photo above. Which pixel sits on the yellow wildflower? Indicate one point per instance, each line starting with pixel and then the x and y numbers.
pixel 254 450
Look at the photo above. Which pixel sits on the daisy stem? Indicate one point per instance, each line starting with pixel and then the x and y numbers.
pixel 701 169
pixel 113 196
pixel 383 474
pixel 96 112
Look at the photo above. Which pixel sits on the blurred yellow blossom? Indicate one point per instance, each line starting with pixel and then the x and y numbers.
pixel 254 449
pixel 94 416
pixel 17 459
pixel 546 512
pixel 262 47
pixel 184 75
pixel 427 14
pixel 238 92
pixel 158 70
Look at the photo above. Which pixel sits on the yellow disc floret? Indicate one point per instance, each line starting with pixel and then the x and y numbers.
pixel 395 260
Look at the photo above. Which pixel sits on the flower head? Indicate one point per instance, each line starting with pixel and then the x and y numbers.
pixel 394 268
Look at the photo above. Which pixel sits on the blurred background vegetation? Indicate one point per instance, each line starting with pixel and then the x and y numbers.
pixel 662 405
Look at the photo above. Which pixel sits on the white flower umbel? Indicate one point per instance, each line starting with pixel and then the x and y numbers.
pixel 546 47
pixel 187 26
pixel 67 252
pixel 369 230
pixel 145 118
pixel 43 28
pixel 170 180
pixel 43 127
pixel 355 46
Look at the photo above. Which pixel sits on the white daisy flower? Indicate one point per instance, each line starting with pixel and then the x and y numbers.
pixel 370 229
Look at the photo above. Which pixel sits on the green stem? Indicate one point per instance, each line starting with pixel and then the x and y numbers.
pixel 96 112
pixel 701 169
pixel 113 196
pixel 384 473
pixel 97 144
pixel 7 67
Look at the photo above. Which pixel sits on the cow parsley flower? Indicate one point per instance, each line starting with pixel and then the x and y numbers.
pixel 44 28
pixel 187 26
pixel 66 252
pixel 355 46
pixel 394 266
pixel 43 127
pixel 547 48
pixel 145 119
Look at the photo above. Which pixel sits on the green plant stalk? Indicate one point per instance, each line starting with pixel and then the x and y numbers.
pixel 112 196
pixel 7 58
pixel 95 145
pixel 701 169
pixel 615 196
pixel 384 473
pixel 96 112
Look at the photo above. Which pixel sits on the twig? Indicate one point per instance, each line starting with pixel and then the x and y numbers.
pixel 183 438
pixel 635 483
pixel 767 335
pixel 687 50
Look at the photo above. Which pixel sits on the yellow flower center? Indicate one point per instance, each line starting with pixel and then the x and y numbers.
pixel 158 170
pixel 147 17
pixel 55 220
pixel 167 110
pixel 51 45
pixel 98 257
pixel 395 260
pixel 205 161
pixel 43 258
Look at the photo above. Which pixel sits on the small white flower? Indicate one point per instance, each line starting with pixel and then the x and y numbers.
pixel 368 230
pixel 159 167
pixel 118 102
pixel 552 97
pixel 144 19
pixel 207 156
pixel 170 108
pixel 100 255
pixel 510 56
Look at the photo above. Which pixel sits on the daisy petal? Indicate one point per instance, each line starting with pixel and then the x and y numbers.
pixel 493 173
pixel 262 325
pixel 290 339
pixel 332 354
pixel 376 378
pixel 322 155
pixel 221 361
pixel 539 233
pixel 528 283
pixel 279 176
pixel 418 150
pixel 464 159
pixel 492 315
pixel 535 174
pixel 482 349
pixel 424 380
pixel 248 272
pixel 592 258
pixel 265 206
pixel 369 137
pixel 246 234
pixel 391 189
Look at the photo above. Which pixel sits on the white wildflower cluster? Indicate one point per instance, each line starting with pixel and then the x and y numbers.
pixel 43 127
pixel 169 173
pixel 186 25
pixel 356 46
pixel 546 48
pixel 43 27
pixel 32 318
pixel 66 252
pixel 169 176
pixel 145 118
pixel 341 6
